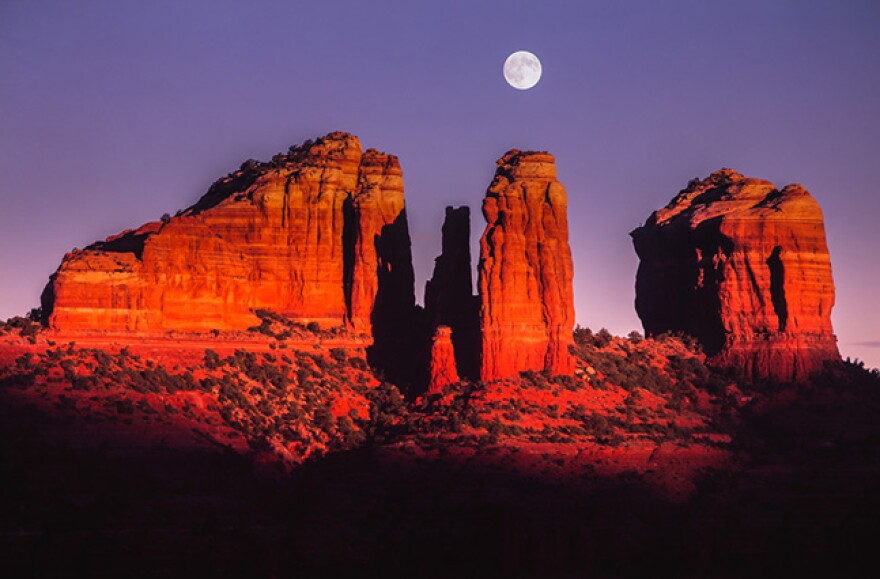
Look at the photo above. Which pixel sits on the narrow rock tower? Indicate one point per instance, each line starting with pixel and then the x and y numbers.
pixel 442 371
pixel 525 270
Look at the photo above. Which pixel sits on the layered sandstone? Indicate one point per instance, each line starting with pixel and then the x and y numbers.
pixel 745 269
pixel 293 235
pixel 449 299
pixel 442 370
pixel 525 270
pixel 382 258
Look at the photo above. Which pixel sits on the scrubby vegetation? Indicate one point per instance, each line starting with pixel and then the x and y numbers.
pixel 27 326
pixel 296 403
pixel 281 328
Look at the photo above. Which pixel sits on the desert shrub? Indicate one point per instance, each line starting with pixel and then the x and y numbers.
pixel 567 382
pixel 349 436
pixel 324 419
pixel 687 340
pixel 583 336
pixel 212 359
pixel 602 338
pixel 388 411
pixel 358 363
pixel 320 361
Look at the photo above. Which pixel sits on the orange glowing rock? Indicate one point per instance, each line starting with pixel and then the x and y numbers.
pixel 745 269
pixel 297 235
pixel 443 371
pixel 525 270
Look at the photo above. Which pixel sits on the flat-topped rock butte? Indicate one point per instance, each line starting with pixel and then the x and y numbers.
pixel 525 269
pixel 743 267
pixel 286 236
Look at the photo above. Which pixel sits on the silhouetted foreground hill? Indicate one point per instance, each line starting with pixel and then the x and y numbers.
pixel 268 457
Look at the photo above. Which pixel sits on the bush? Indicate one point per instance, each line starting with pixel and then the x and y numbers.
pixel 583 336
pixel 602 338
pixel 212 359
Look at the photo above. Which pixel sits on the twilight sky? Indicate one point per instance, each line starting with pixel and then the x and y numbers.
pixel 114 112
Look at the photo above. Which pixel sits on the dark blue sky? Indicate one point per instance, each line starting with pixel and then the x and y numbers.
pixel 112 113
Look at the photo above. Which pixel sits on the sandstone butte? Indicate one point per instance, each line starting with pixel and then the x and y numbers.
pixel 525 270
pixel 317 235
pixel 442 371
pixel 744 268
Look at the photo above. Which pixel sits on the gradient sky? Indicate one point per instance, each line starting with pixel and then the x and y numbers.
pixel 112 113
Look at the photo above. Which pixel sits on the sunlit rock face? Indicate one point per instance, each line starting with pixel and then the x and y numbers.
pixel 525 270
pixel 442 371
pixel 317 235
pixel 745 269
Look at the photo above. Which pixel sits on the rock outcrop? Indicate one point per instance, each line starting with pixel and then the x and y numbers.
pixel 382 255
pixel 449 299
pixel 442 371
pixel 317 235
pixel 745 269
pixel 525 270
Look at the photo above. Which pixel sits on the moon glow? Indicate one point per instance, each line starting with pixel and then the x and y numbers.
pixel 522 70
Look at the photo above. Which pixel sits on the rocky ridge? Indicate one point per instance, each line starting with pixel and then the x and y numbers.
pixel 302 235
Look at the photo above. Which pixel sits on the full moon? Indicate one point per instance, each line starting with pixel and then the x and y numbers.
pixel 522 70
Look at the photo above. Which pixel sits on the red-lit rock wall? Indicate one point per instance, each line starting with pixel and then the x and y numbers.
pixel 745 269
pixel 525 270
pixel 295 235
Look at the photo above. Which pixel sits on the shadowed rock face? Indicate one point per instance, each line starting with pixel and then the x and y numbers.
pixel 318 234
pixel 745 269
pixel 525 270
pixel 449 299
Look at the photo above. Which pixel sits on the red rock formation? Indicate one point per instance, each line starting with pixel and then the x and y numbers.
pixel 525 270
pixel 443 371
pixel 744 268
pixel 381 239
pixel 276 235
pixel 449 298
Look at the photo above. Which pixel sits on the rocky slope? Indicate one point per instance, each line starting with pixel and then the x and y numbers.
pixel 525 270
pixel 309 235
pixel 745 269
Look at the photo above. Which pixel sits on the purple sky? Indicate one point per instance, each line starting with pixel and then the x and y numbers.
pixel 112 113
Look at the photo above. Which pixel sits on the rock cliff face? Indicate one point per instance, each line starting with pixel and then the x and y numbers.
pixel 449 298
pixel 382 259
pixel 305 235
pixel 443 371
pixel 525 270
pixel 745 269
